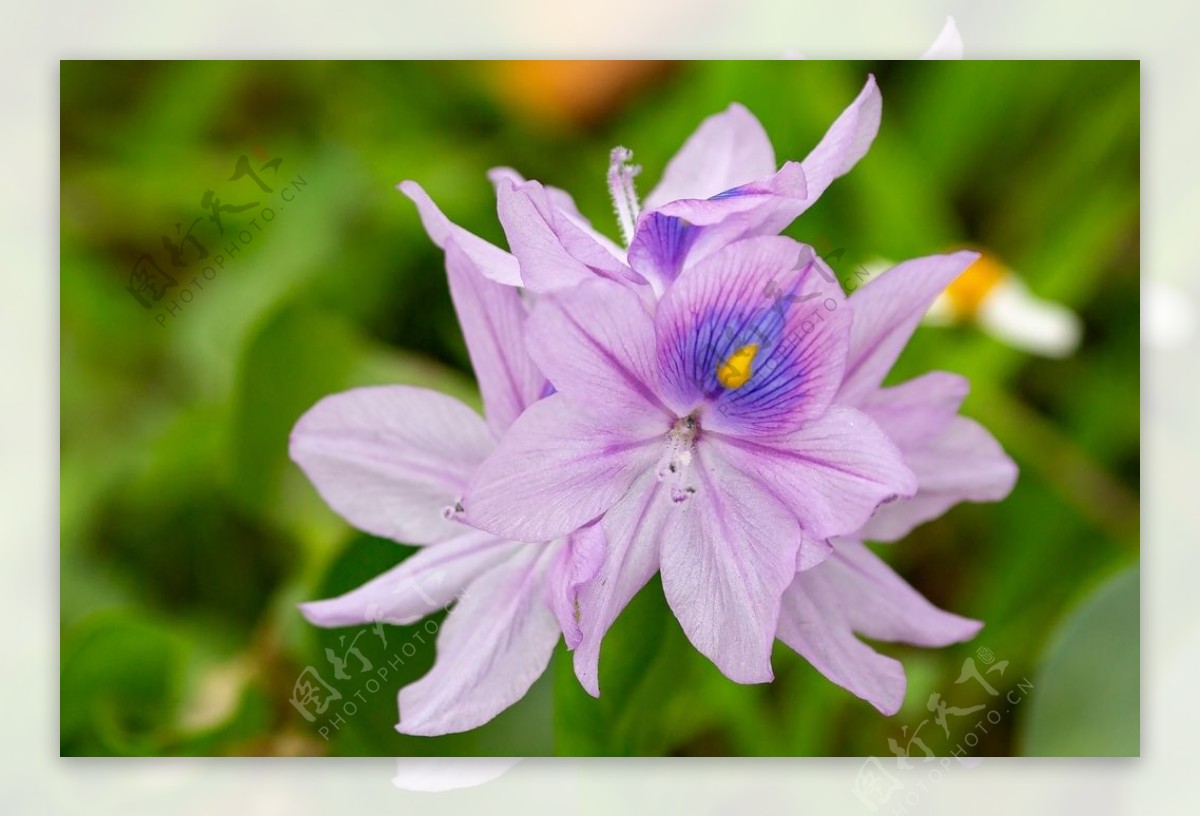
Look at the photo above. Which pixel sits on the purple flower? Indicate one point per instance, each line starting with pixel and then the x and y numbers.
pixel 954 459
pixel 703 402
pixel 722 186
pixel 706 439
pixel 394 462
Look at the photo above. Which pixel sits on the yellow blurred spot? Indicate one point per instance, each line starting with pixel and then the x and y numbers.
pixel 735 371
pixel 971 288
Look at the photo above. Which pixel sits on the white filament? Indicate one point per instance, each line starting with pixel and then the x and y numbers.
pixel 620 187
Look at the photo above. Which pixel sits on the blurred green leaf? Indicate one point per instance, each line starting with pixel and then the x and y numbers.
pixel 121 679
pixel 646 704
pixel 1087 702
pixel 299 356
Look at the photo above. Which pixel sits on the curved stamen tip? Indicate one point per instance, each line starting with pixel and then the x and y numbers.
pixel 620 186
pixel 618 157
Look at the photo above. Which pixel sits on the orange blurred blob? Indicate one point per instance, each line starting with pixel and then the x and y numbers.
pixel 570 92
pixel 971 288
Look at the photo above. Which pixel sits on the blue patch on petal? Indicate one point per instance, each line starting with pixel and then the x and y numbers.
pixel 753 337
pixel 718 337
pixel 733 192
pixel 662 243
pixel 751 334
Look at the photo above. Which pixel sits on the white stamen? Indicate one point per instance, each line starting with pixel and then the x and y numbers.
pixel 620 187
pixel 1013 314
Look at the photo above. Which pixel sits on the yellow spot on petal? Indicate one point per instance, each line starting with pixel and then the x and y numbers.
pixel 971 288
pixel 735 371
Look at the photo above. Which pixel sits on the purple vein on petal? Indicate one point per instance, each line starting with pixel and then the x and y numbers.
pixel 632 380
pixel 445 558
pixel 366 455
pixel 622 561
pixel 631 445
pixel 714 497
pixel 747 445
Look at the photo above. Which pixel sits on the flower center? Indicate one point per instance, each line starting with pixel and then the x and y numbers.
pixel 673 466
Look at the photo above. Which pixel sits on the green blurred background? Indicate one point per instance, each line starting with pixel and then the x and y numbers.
pixel 188 537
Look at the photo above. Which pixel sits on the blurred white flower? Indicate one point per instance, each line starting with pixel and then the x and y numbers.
pixel 996 300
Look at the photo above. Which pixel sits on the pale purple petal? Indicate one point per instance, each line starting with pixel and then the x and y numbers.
pixel 831 473
pixel 390 459
pixel 556 470
pixel 444 774
pixel 812 552
pixel 726 557
pixel 881 605
pixel 574 566
pixel 813 622
pixel 771 295
pixel 854 591
pixel 492 318
pixel 963 464
pixel 788 182
pixel 846 141
pixel 886 311
pixel 683 228
pixel 728 149
pixel 684 232
pixel 596 344
pixel 494 644
pixel 491 261
pixel 428 580
pixel 632 530
pixel 554 251
pixel 948 45
pixel 918 410
pixel 562 201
